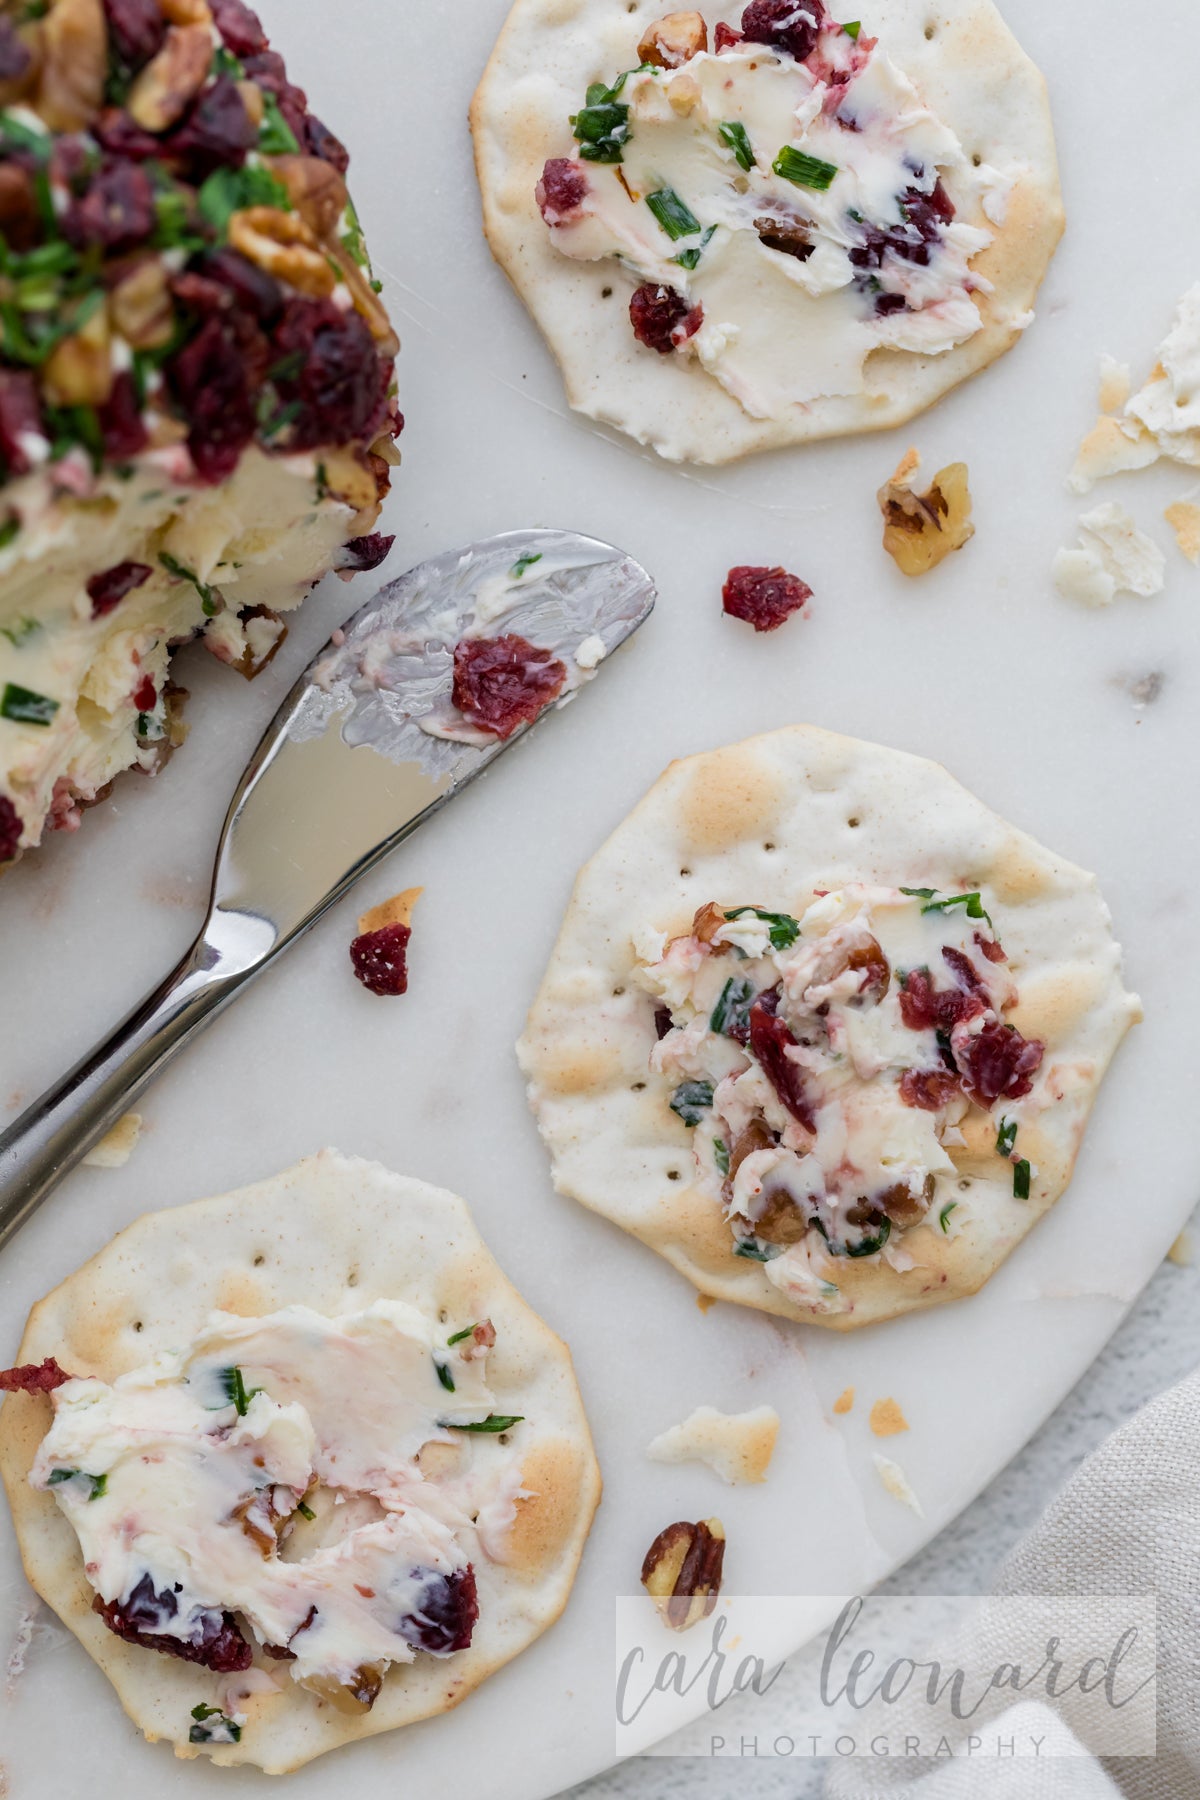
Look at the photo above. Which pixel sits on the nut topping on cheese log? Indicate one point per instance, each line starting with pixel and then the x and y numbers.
pixel 197 403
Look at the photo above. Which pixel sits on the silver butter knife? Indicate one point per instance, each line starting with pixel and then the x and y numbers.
pixel 352 763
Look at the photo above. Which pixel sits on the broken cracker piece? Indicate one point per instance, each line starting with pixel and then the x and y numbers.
pixel 737 1446
pixel 1112 557
pixel 919 530
pixel 897 1483
pixel 116 1146
pixel 1184 519
pixel 886 1418
pixel 396 911
pixel 844 1401
pixel 1180 1252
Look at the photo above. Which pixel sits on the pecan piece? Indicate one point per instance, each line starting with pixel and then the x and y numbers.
pixel 707 922
pixel 919 530
pixel 74 64
pixel 673 40
pixel 682 1571
pixel 791 236
pixel 906 1206
pixel 780 1221
pixel 170 82
pixel 315 189
pixel 284 246
pixel 756 1136
pixel 141 305
pixel 78 372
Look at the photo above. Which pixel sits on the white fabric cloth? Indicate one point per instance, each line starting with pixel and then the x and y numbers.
pixel 1128 1522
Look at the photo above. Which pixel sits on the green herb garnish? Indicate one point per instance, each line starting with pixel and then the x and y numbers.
pixel 784 929
pixel 972 902
pixel 524 562
pixel 493 1423
pixel 466 1332
pixel 867 1246
pixel 754 1250
pixel 733 1008
pixel 305 1511
pixel 275 137
pixel 1021 1174
pixel 1006 1137
pixel 20 631
pixel 204 1733
pixel 99 1482
pixel 235 1391
pixel 733 133
pixel 24 707
pixel 208 596
pixel 673 214
pixel 804 170
pixel 687 259
pixel 721 1155
pixel 691 1100
pixel 602 126
pixel 944 1215
pixel 227 191
pixel 444 1376
pixel 853 28
pixel 225 62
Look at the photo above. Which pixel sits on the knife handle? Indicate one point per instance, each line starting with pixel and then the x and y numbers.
pixel 53 1134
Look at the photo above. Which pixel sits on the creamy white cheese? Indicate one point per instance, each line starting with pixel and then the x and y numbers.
pixel 777 331
pixel 189 1474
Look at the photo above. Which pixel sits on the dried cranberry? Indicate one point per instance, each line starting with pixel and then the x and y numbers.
pixel 962 968
pixel 20 416
pixel 20 220
pixel 215 378
pixel 999 1064
pixel 992 948
pixel 251 287
pixel 217 132
pixel 791 25
pixel 145 695
pixel 117 133
pixel 663 1022
pixel 928 1089
pixel 14 55
pixel 764 598
pixel 501 682
pixel 138 29
pixel 660 317
pixel 770 1040
pixel 560 190
pixel 921 219
pixel 886 304
pixel 117 211
pixel 380 959
pixel 926 1008
pixel 121 422
pixel 32 1378
pixel 10 843
pixel 725 37
pixel 365 552
pixel 341 385
pixel 323 143
pixel 445 1615
pixel 241 30
pixel 213 1638
pixel 109 588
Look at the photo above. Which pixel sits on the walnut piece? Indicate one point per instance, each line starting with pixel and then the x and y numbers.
pixel 172 79
pixel 78 372
pixel 919 530
pixel 283 245
pixel 682 1571
pixel 673 40
pixel 74 64
pixel 315 189
pixel 141 307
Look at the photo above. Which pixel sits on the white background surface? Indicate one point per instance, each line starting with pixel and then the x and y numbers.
pixel 1026 699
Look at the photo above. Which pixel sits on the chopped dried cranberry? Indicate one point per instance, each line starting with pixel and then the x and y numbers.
pixel 15 57
pixel 145 695
pixel 962 968
pixel 10 843
pixel 251 287
pixel 770 1040
pixel 109 588
pixel 501 682
pixel 926 1008
pixel 241 30
pixel 791 25
pixel 341 385
pixel 323 143
pixel 764 598
pixel 992 948
pixel 725 37
pixel 138 29
pixel 365 552
pixel 445 1615
pixel 217 132
pixel 889 303
pixel 213 1638
pixel 380 959
pixel 199 292
pixel 117 133
pixel 20 220
pixel 20 416
pixel 660 317
pixel 928 1089
pixel 663 1022
pixel 560 190
pixel 999 1064
pixel 922 218
pixel 121 422
pixel 117 211
pixel 215 378
pixel 33 1378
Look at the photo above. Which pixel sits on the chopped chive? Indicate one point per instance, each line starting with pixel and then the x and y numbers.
pixel 853 28
pixel 1006 1137
pixel 973 902
pixel 944 1215
pixel 24 707
pixel 458 1337
pixel 733 1007
pixel 754 1250
pixel 234 1388
pixel 867 1246
pixel 445 1377
pixel 208 596
pixel 493 1423
pixel 691 1100
pixel 20 631
pixel 1021 1173
pixel 673 214
pixel 784 929
pixel 59 1475
pixel 226 63
pixel 99 1487
pixel 733 133
pixel 721 1155
pixel 602 126
pixel 804 170
pixel 687 259
pixel 99 1482
pixel 275 137
pixel 305 1511
pixel 526 561
pixel 222 1730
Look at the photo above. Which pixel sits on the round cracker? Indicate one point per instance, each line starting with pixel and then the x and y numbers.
pixel 969 69
pixel 334 1233
pixel 766 822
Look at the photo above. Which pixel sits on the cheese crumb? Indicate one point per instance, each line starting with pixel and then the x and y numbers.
pixel 896 1482
pixel 591 652
pixel 1181 1253
pixel 1112 557
pixel 844 1401
pixel 117 1146
pixel 1184 519
pixel 738 1446
pixel 887 1420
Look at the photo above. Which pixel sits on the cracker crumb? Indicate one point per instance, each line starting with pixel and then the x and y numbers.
pixel 738 1446
pixel 887 1420
pixel 1184 519
pixel 118 1145
pixel 705 1301
pixel 1112 557
pixel 1181 1252
pixel 396 911
pixel 1161 420
pixel 896 1483
pixel 844 1401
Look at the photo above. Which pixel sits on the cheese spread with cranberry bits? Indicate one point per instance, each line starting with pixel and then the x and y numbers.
pixel 826 1065
pixel 197 402
pixel 186 1481
pixel 785 200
